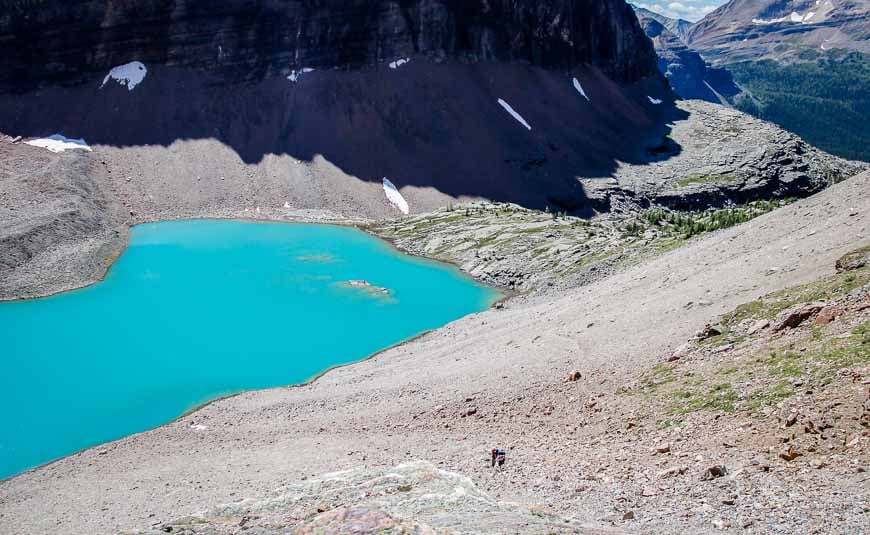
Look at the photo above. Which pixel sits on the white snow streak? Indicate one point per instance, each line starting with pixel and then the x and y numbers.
pixel 399 62
pixel 654 100
pixel 59 143
pixel 295 75
pixel 130 74
pixel 579 88
pixel 515 115
pixel 393 195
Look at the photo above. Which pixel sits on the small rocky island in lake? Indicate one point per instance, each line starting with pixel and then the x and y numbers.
pixel 367 286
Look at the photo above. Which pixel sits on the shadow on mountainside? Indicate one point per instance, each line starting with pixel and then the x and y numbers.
pixel 426 125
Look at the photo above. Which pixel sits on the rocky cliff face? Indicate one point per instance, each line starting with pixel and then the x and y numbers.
pixel 689 75
pixel 426 93
pixel 64 42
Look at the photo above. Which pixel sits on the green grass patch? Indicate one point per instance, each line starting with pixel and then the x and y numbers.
pixel 719 397
pixel 769 396
pixel 786 364
pixel 770 306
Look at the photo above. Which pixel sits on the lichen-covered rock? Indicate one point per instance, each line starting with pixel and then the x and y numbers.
pixel 414 497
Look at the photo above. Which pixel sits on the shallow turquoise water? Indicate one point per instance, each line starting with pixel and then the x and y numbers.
pixel 199 309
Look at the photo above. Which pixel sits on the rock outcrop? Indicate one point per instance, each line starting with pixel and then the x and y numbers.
pixel 60 43
pixel 414 497
pixel 722 156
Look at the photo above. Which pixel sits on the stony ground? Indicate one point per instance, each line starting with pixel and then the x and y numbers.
pixel 736 428
pixel 59 223
pixel 581 449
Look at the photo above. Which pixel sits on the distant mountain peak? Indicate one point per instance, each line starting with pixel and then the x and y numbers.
pixel 781 29
pixel 678 27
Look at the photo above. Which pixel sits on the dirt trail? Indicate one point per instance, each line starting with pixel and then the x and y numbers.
pixel 408 402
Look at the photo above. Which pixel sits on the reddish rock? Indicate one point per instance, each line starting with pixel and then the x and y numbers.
pixel 827 315
pixel 572 377
pixel 789 454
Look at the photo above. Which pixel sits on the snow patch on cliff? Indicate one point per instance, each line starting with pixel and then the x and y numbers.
pixel 579 88
pixel 296 75
pixel 130 74
pixel 393 195
pixel 399 62
pixel 514 114
pixel 59 143
pixel 654 100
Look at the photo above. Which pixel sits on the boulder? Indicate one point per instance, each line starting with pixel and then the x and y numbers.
pixel 853 260
pixel 572 377
pixel 758 326
pixel 709 331
pixel 713 472
pixel 794 316
pixel 789 454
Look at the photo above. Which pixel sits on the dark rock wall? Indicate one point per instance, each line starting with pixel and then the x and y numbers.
pixel 67 41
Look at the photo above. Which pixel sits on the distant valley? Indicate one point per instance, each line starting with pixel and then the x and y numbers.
pixel 802 64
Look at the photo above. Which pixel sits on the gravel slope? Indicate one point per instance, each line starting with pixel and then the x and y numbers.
pixel 407 402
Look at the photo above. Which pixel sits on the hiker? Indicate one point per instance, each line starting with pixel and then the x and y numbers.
pixel 498 456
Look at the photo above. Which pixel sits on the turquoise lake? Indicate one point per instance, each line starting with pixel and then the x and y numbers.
pixel 196 310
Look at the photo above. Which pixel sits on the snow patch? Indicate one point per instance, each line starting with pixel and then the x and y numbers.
pixel 198 427
pixel 130 74
pixel 286 205
pixel 515 115
pixel 654 100
pixel 793 17
pixel 393 195
pixel 295 75
pixel 579 88
pixel 59 143
pixel 399 62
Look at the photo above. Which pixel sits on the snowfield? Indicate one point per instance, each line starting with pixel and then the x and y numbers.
pixel 59 143
pixel 515 115
pixel 130 74
pixel 393 195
